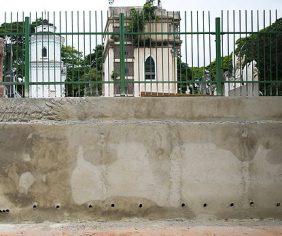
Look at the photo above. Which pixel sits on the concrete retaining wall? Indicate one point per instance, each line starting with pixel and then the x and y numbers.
pixel 157 158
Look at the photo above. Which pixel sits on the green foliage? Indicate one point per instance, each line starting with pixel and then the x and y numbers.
pixel 15 58
pixel 71 57
pixel 79 69
pixel 149 12
pixel 226 66
pixel 83 70
pixel 198 72
pixel 93 87
pixel 184 74
pixel 16 63
pixel 16 51
pixel 96 58
pixel 266 49
pixel 138 20
pixel 38 22
pixel 115 75
pixel 14 27
pixel 74 75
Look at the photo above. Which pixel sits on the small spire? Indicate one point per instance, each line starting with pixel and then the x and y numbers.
pixel 153 2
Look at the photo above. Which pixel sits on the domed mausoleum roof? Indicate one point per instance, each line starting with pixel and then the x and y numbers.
pixel 45 26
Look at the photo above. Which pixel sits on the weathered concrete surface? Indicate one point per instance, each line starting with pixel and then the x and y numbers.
pixel 86 167
pixel 194 108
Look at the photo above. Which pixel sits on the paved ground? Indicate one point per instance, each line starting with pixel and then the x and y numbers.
pixel 147 228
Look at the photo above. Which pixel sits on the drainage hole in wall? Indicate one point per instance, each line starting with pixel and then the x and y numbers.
pixel 34 206
pixel 7 210
pixel 278 204
pixel 205 205
pixel 90 206
pixel 183 205
pixel 57 206
pixel 112 205
pixel 231 204
pixel 140 205
pixel 251 203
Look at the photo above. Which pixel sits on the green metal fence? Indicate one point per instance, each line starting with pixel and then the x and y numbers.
pixel 141 52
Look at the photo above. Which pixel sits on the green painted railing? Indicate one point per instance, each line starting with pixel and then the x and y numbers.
pixel 27 55
pixel 126 53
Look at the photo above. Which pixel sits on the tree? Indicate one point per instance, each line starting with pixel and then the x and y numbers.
pixel 95 59
pixel 184 74
pixel 14 34
pixel 81 72
pixel 73 59
pixel 138 19
pixel 71 56
pixel 14 48
pixel 76 65
pixel 14 61
pixel 265 48
pixel 93 87
pixel 198 72
pixel 226 66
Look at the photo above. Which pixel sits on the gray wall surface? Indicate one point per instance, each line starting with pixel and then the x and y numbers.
pixel 87 159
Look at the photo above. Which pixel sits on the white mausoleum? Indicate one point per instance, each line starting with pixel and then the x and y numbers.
pixel 149 60
pixel 245 76
pixel 45 62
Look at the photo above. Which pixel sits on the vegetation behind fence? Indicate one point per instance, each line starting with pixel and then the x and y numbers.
pixel 144 51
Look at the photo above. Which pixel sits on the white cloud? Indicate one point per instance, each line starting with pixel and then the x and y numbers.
pixel 213 5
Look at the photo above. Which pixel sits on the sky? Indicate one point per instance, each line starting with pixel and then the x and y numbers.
pixel 212 5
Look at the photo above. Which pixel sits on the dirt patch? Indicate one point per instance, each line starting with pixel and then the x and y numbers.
pixel 145 228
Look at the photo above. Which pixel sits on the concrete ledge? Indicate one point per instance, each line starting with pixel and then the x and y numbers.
pixel 194 108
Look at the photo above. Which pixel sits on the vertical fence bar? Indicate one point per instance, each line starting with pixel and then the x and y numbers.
pixel 122 54
pixel 2 47
pixel 27 56
pixel 218 56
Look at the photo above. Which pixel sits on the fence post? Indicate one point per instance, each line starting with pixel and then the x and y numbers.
pixel 27 56
pixel 2 88
pixel 122 54
pixel 218 57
